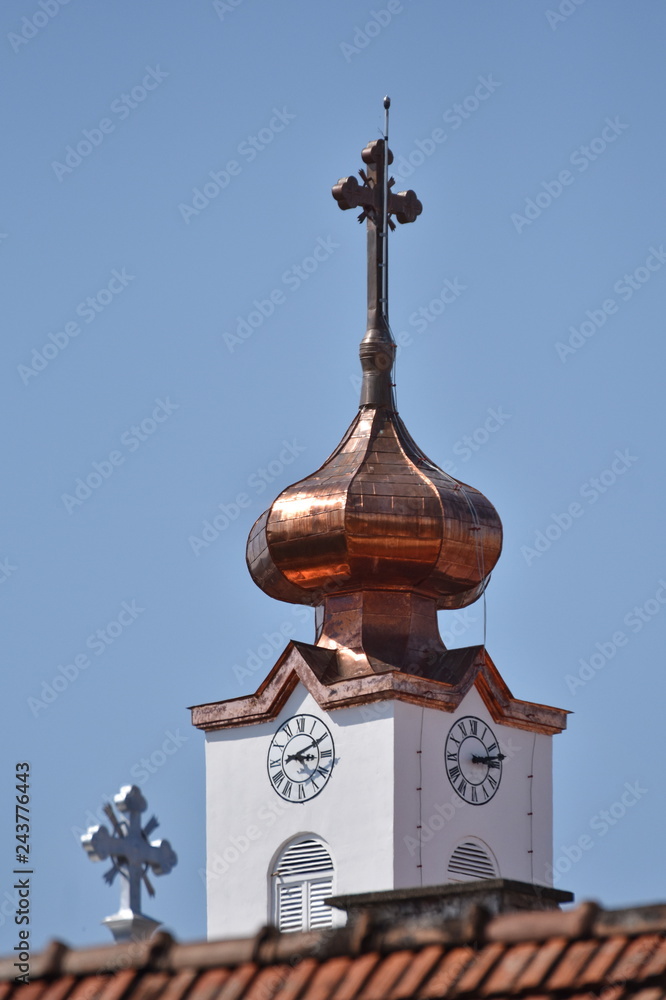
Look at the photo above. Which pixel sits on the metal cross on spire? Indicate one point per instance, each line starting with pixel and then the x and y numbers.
pixel 131 856
pixel 378 203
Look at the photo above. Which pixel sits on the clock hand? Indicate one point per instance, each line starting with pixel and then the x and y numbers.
pixel 300 757
pixel 492 762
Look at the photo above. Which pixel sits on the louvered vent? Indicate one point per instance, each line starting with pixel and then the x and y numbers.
pixel 469 861
pixel 304 879
pixel 304 858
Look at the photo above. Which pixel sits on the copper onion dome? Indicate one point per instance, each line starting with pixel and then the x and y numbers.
pixel 379 537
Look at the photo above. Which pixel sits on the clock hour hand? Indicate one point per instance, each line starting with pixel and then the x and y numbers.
pixel 492 762
pixel 300 757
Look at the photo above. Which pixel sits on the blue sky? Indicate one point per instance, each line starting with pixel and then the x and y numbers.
pixel 534 138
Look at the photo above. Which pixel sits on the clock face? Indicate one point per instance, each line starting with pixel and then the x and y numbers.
pixel 300 758
pixel 473 760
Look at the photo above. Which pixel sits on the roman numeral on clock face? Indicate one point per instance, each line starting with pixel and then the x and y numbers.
pixel 472 760
pixel 301 757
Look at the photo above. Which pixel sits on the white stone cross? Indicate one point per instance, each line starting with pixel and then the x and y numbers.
pixel 131 854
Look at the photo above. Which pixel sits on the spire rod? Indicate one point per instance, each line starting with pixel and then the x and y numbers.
pixel 378 204
pixel 384 233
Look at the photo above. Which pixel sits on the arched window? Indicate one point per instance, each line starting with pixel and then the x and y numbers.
pixel 302 880
pixel 471 860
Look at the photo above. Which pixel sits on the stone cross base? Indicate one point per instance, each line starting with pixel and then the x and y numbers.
pixel 125 925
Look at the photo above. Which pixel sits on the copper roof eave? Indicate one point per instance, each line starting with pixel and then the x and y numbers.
pixel 265 704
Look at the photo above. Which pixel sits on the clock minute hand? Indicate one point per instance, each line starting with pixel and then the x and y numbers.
pixel 492 762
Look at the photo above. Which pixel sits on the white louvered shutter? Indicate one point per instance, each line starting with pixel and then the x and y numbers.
pixel 304 879
pixel 469 862
pixel 290 907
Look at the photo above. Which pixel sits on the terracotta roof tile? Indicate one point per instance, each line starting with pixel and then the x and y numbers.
pixel 179 985
pixel 298 980
pixel 635 958
pixel 327 978
pixel 571 964
pixel 238 982
pixel 208 984
pixel 656 966
pixel 508 969
pixel 584 954
pixel 58 990
pixel 150 986
pixel 542 962
pixel 654 993
pixel 447 973
pixel 268 982
pixel 599 965
pixel 478 969
pixel 420 967
pixel 92 987
pixel 355 977
pixel 32 990
pixel 386 975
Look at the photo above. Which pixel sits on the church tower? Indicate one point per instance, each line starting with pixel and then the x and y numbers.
pixel 373 758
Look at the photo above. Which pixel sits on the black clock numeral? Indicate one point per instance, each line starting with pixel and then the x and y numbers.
pixel 462 787
pixel 473 725
pixel 312 728
pixel 454 773
pixel 314 783
pixel 492 781
pixel 323 771
pixel 300 722
pixel 492 748
pixel 485 730
pixel 461 726
pixel 286 791
pixel 327 753
pixel 287 730
pixel 483 789
pixel 454 740
pixel 275 763
pixel 475 797
pixel 278 778
pixel 301 792
pixel 452 756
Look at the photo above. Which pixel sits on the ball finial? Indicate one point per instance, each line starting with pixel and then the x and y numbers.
pixel 387 102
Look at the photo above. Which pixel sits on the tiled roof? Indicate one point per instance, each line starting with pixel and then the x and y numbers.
pixel 583 954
